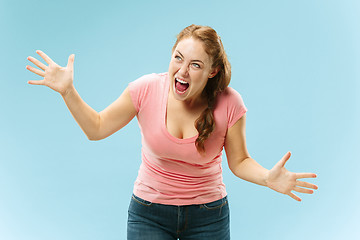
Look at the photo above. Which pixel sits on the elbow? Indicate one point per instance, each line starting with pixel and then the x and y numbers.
pixel 94 134
pixel 93 137
pixel 235 169
pixel 235 165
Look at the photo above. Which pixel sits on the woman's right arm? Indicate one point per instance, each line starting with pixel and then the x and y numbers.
pixel 95 125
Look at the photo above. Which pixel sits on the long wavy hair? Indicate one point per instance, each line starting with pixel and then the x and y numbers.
pixel 213 46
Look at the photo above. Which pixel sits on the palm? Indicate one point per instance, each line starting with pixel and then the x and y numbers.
pixel 56 77
pixel 283 181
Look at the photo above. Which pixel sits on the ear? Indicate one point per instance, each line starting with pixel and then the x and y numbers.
pixel 214 72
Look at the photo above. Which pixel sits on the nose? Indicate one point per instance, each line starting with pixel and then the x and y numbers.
pixel 184 70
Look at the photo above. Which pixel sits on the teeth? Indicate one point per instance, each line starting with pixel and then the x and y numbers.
pixel 181 81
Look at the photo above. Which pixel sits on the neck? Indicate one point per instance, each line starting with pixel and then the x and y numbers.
pixel 193 103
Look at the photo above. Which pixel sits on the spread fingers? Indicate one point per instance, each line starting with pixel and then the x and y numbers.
pixel 35 70
pixel 37 82
pixel 37 62
pixel 306 184
pixel 303 190
pixel 294 196
pixel 45 57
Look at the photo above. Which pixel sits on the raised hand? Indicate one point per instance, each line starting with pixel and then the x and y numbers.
pixel 283 181
pixel 55 77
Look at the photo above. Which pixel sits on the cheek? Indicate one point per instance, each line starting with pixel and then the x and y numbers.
pixel 198 76
pixel 172 67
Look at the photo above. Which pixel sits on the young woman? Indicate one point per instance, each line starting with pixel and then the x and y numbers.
pixel 186 116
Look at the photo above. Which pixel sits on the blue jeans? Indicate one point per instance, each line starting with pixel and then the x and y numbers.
pixel 153 221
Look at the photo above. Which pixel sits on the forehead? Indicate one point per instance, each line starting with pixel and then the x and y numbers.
pixel 192 49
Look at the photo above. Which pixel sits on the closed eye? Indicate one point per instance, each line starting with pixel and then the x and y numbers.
pixel 178 58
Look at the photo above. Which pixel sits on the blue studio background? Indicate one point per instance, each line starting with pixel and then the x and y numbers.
pixel 295 63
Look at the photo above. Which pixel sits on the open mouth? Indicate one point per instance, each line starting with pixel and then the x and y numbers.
pixel 181 86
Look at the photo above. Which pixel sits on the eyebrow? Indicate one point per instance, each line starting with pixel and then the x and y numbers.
pixel 191 60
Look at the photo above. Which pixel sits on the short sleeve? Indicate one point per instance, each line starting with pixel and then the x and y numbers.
pixel 235 106
pixel 138 90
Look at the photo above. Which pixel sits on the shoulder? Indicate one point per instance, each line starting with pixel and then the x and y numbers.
pixel 231 105
pixel 146 87
pixel 230 95
pixel 155 76
pixel 148 81
pixel 150 78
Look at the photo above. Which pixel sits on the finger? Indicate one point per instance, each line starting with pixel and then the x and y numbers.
pixel 306 184
pixel 35 70
pixel 306 175
pixel 303 190
pixel 38 82
pixel 294 197
pixel 45 57
pixel 283 160
pixel 37 62
pixel 70 64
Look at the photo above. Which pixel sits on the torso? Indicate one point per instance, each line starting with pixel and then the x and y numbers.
pixel 180 120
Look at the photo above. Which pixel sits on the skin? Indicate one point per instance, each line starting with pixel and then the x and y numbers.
pixel 194 66
pixel 190 63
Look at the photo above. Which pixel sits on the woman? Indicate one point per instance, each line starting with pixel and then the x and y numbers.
pixel 186 116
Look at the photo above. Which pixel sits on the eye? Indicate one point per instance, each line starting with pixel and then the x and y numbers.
pixel 178 58
pixel 196 65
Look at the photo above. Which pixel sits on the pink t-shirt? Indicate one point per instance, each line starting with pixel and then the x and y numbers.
pixel 172 171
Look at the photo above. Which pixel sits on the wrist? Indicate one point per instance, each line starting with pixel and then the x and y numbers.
pixel 266 178
pixel 68 91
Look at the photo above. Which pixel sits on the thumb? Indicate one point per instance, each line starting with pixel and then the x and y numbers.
pixel 283 160
pixel 70 64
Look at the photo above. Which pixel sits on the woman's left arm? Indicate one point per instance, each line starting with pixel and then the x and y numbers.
pixel 244 167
